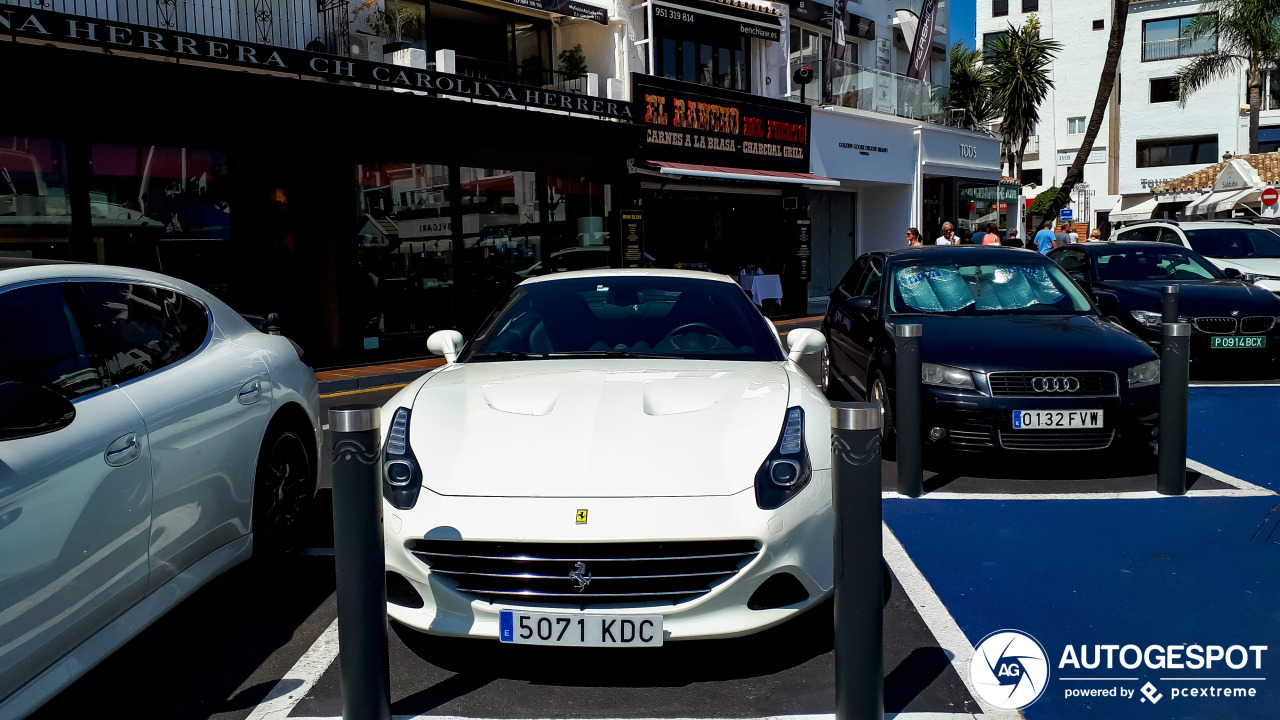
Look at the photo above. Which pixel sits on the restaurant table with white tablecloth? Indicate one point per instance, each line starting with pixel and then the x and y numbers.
pixel 762 287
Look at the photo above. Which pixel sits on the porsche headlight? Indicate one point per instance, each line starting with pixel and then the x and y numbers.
pixel 786 471
pixel 1148 320
pixel 1148 373
pixel 945 376
pixel 401 475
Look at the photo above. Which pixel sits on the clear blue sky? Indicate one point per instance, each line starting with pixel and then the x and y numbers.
pixel 963 24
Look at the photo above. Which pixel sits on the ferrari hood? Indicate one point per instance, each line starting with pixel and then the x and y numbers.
pixel 612 428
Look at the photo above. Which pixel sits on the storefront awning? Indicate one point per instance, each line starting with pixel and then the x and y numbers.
pixel 730 173
pixel 1218 201
pixel 743 18
pixel 1134 209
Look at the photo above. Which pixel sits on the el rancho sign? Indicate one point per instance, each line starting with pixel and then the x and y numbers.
pixel 60 27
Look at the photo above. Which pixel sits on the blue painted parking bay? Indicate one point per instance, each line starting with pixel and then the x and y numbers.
pixel 1144 572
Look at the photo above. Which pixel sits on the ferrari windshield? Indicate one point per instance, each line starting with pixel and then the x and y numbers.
pixel 1152 263
pixel 626 316
pixel 1235 242
pixel 978 289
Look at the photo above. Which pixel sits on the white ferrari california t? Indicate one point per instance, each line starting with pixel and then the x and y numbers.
pixel 618 458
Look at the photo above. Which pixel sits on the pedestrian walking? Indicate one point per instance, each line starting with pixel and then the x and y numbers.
pixel 913 237
pixel 1061 238
pixel 1044 238
pixel 979 232
pixel 1072 235
pixel 948 236
pixel 1013 240
pixel 1095 235
pixel 993 235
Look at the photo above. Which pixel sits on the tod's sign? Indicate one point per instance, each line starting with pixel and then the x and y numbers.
pixel 60 27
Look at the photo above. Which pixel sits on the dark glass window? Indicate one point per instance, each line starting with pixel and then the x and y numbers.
pixel 145 328
pixel 706 58
pixel 989 39
pixel 1072 260
pixel 1030 177
pixel 1167 38
pixel 1030 5
pixel 35 212
pixel 44 345
pixel 1164 90
pixel 999 8
pixel 1099 24
pixel 1178 151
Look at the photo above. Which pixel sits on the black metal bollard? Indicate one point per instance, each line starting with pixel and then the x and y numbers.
pixel 1169 304
pixel 859 598
pixel 906 418
pixel 360 562
pixel 1175 371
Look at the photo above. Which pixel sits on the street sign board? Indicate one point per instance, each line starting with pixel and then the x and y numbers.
pixel 1066 214
pixel 1270 196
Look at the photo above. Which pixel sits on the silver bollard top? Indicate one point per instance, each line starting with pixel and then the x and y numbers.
pixel 908 330
pixel 855 416
pixel 1169 289
pixel 353 418
pixel 1179 329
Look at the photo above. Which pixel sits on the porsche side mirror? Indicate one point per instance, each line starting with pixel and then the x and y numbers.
pixel 804 341
pixel 28 410
pixel 1108 301
pixel 446 343
pixel 1233 273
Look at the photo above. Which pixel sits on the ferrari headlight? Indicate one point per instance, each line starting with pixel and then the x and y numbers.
pixel 1148 373
pixel 945 376
pixel 786 471
pixel 1148 320
pixel 401 475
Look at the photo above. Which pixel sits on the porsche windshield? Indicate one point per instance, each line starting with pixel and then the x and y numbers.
pixel 997 289
pixel 621 316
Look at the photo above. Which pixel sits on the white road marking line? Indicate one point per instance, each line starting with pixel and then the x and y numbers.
pixel 936 617
pixel 296 683
pixel 1225 478
pixel 828 716
pixel 1239 488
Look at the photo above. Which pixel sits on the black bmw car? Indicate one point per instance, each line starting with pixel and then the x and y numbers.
pixel 1016 358
pixel 1233 323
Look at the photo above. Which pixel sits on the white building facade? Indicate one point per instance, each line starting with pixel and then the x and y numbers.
pixel 1146 138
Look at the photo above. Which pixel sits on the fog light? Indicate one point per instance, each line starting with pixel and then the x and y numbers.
pixel 936 434
pixel 784 472
pixel 399 472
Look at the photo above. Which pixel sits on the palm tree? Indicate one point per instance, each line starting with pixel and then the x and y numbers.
pixel 1247 33
pixel 970 89
pixel 1106 84
pixel 1018 63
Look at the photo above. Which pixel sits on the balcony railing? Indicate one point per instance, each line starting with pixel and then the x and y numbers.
pixel 1177 48
pixel 865 88
pixel 523 75
pixel 321 25
pixel 1033 146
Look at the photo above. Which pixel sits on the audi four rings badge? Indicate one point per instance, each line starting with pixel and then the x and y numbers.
pixel 1055 384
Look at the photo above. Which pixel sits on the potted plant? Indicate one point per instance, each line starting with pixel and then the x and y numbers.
pixel 391 21
pixel 573 62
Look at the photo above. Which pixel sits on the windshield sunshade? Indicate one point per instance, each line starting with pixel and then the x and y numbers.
pixel 983 288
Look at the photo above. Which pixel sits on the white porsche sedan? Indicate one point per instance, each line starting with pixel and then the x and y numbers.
pixel 618 458
pixel 150 439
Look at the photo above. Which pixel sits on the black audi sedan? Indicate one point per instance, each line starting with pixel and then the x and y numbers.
pixel 1016 357
pixel 1233 322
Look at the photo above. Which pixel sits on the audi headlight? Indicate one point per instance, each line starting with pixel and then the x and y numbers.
pixel 945 376
pixel 1148 373
pixel 1148 320
pixel 401 475
pixel 787 470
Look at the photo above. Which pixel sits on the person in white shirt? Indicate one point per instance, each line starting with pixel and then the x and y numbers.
pixel 948 235
pixel 1075 238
